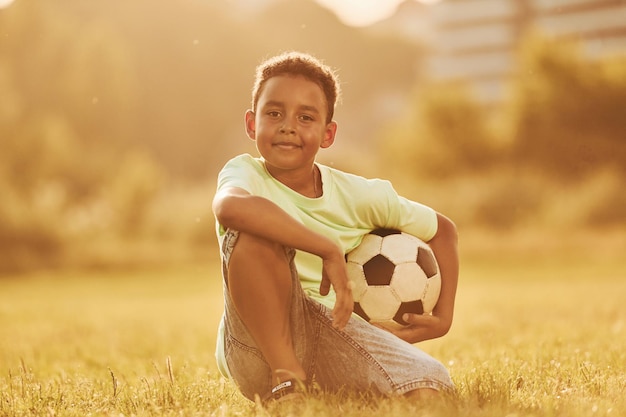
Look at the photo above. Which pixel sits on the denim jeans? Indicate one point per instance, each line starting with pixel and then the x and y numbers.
pixel 360 358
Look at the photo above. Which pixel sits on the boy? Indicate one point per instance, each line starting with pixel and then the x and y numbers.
pixel 283 328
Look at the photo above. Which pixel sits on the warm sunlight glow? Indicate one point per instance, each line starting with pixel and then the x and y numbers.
pixel 5 3
pixel 364 12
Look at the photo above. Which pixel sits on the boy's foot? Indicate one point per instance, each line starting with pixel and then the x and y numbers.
pixel 289 390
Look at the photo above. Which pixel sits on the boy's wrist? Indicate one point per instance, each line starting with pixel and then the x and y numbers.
pixel 330 251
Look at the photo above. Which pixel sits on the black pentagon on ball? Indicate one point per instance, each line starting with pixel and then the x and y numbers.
pixel 378 270
pixel 385 232
pixel 413 307
pixel 359 310
pixel 426 261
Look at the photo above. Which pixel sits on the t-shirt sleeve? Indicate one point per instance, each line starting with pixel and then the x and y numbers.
pixel 238 172
pixel 417 219
pixel 374 203
pixel 410 216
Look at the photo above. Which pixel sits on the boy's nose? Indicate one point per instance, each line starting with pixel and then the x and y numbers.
pixel 285 129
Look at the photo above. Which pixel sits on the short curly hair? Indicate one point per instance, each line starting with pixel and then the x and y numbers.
pixel 299 64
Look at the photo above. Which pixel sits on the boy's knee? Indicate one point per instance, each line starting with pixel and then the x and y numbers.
pixel 259 259
pixel 250 248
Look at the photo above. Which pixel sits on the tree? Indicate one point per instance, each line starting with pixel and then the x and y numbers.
pixel 568 114
pixel 445 134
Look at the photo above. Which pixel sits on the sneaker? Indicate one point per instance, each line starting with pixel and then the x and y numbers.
pixel 292 389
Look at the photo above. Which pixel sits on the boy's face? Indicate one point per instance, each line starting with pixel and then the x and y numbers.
pixel 289 125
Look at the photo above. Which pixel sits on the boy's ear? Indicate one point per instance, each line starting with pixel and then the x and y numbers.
pixel 250 125
pixel 329 136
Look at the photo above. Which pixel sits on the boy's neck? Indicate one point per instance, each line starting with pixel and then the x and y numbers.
pixel 305 182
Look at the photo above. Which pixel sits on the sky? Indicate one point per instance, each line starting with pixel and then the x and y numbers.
pixel 351 12
pixel 363 12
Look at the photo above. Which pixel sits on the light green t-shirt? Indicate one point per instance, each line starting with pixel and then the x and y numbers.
pixel 349 208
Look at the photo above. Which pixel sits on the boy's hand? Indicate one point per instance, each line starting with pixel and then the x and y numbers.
pixel 421 327
pixel 334 272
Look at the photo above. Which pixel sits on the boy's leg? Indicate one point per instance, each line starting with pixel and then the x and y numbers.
pixel 260 286
pixel 364 358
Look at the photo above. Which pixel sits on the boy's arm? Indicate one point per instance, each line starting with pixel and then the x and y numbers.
pixel 445 247
pixel 239 210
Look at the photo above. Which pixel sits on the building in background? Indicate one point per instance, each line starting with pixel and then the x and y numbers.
pixel 475 40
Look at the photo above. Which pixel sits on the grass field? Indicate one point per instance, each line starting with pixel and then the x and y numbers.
pixel 535 334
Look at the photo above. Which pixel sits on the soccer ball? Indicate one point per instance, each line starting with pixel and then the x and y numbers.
pixel 393 273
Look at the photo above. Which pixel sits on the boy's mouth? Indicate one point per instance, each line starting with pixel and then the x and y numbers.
pixel 287 145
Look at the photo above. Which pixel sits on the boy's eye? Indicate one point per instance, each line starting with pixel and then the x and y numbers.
pixel 273 113
pixel 306 118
